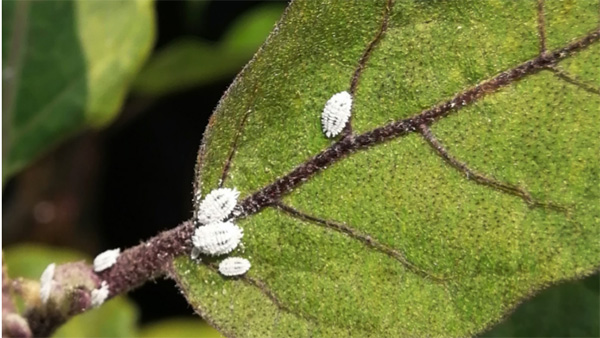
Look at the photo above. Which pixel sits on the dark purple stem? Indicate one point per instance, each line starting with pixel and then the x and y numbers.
pixel 148 260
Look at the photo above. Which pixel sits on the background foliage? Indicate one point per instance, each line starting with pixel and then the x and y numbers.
pixel 71 184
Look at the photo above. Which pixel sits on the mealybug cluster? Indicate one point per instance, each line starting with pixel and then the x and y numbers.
pixel 216 234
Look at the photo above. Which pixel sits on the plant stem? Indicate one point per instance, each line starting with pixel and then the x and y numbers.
pixel 134 267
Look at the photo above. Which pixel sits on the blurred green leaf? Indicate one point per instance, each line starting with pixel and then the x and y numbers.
pixel 29 260
pixel 385 220
pixel 179 328
pixel 183 64
pixel 568 310
pixel 249 31
pixel 115 318
pixel 66 65
pixel 191 62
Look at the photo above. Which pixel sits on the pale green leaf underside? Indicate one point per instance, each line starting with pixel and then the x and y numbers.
pixel 490 247
pixel 66 65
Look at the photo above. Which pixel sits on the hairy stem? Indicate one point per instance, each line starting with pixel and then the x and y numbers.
pixel 148 260
pixel 134 267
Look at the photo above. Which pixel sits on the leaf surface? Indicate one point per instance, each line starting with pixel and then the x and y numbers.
pixel 468 183
pixel 66 65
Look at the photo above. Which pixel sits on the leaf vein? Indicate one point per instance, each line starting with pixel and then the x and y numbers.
pixel 482 179
pixel 541 26
pixel 236 139
pixel 365 239
pixel 565 76
pixel 362 62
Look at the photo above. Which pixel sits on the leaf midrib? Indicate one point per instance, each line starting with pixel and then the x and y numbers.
pixel 271 193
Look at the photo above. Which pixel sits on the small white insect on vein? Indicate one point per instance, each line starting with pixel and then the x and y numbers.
pixel 336 113
pixel 217 238
pixel 99 295
pixel 46 282
pixel 217 205
pixel 234 266
pixel 106 259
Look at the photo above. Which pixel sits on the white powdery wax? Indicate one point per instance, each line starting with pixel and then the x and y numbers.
pixel 217 205
pixel 46 282
pixel 336 113
pixel 217 238
pixel 234 266
pixel 99 295
pixel 106 259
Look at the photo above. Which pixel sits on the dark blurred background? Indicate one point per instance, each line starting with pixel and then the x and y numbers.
pixel 120 185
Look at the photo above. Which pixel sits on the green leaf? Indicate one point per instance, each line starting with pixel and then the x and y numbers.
pixel 115 318
pixel 190 62
pixel 250 30
pixel 179 328
pixel 567 310
pixel 403 230
pixel 66 65
pixel 30 260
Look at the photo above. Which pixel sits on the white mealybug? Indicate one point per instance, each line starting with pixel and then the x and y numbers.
pixel 99 295
pixel 106 259
pixel 234 266
pixel 336 113
pixel 46 282
pixel 217 238
pixel 217 205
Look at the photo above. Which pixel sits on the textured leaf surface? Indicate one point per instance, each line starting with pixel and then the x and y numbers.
pixel 435 225
pixel 115 318
pixel 66 65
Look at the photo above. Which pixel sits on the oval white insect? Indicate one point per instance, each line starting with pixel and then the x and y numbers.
pixel 336 113
pixel 106 259
pixel 217 205
pixel 99 295
pixel 217 238
pixel 46 282
pixel 234 266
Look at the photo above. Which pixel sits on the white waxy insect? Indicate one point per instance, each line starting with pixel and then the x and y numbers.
pixel 99 295
pixel 106 259
pixel 46 282
pixel 234 266
pixel 336 113
pixel 217 238
pixel 217 205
